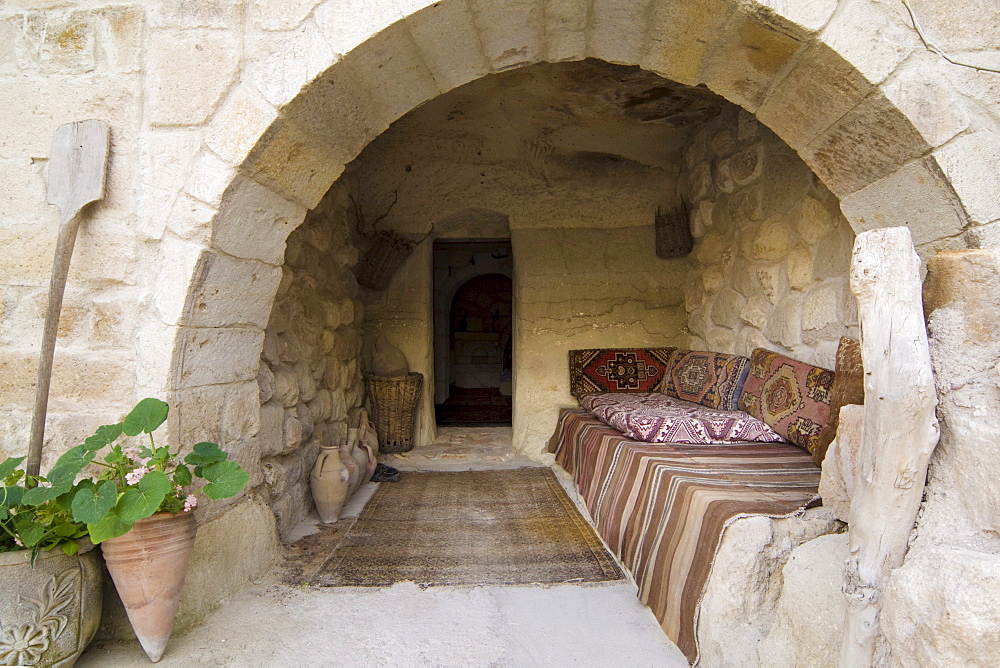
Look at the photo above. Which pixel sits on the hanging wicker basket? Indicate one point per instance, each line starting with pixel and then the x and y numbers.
pixel 673 232
pixel 394 409
pixel 387 254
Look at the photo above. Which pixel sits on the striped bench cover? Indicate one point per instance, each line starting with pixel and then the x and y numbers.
pixel 662 508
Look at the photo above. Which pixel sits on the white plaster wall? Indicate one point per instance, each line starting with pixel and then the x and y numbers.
pixel 772 250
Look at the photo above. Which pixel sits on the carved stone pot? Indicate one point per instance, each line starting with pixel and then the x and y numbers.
pixel 148 565
pixel 49 613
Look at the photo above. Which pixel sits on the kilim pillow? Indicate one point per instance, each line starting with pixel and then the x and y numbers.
pixel 616 369
pixel 714 380
pixel 848 388
pixel 658 418
pixel 791 396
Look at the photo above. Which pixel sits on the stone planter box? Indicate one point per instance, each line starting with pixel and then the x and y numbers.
pixel 49 613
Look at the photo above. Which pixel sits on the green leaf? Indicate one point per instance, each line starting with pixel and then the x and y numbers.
pixel 36 496
pixel 147 415
pixel 111 526
pixel 69 466
pixel 70 547
pixel 182 476
pixel 144 500
pixel 8 466
pixel 90 505
pixel 205 453
pixel 11 496
pixel 105 435
pixel 29 531
pixel 225 479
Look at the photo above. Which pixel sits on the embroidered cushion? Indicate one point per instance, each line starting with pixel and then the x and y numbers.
pixel 791 396
pixel 616 369
pixel 848 388
pixel 714 380
pixel 658 418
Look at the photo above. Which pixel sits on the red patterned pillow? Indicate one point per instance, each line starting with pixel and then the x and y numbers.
pixel 791 396
pixel 658 418
pixel 616 369
pixel 714 380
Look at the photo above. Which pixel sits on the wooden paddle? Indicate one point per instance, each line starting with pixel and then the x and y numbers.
pixel 77 171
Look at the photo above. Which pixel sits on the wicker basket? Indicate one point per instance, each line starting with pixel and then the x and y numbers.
pixel 388 252
pixel 673 233
pixel 394 409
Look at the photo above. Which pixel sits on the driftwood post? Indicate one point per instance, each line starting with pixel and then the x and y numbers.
pixel 900 428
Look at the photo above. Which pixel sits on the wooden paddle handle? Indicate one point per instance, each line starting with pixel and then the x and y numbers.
pixel 57 286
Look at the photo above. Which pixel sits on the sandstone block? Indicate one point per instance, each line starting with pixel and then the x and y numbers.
pixel 969 163
pixel 219 355
pixel 291 432
pixel 784 183
pixel 813 220
pixel 238 125
pixel 809 615
pixel 78 379
pixel 727 307
pixel 940 608
pixel 338 407
pixel 305 417
pixel 800 261
pixel 836 483
pixel 241 413
pixel 322 405
pixel 785 324
pixel 874 37
pixel 871 141
pixel 752 53
pixel 287 15
pixel 446 36
pixel 64 43
pixel 921 91
pixel 307 386
pixel 773 281
pixel 681 35
pixel 770 242
pixel 281 65
pixel 346 24
pixel 209 178
pixel 254 222
pixel 823 306
pixel 745 206
pixel 182 91
pixel 712 280
pixel 818 90
pixel 272 419
pixel 203 14
pixel 265 383
pixel 119 42
pixel 617 30
pixel 565 30
pixel 917 195
pixel 232 292
pixel 286 386
pixel 511 33
pixel 392 69
pixel 756 311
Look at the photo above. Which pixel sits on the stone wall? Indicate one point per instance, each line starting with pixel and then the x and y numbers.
pixel 772 250
pixel 310 376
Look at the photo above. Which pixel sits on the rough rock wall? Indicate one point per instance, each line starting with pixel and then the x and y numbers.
pixel 770 263
pixel 310 376
pixel 941 605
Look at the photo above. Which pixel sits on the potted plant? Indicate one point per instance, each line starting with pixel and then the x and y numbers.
pixel 139 510
pixel 50 573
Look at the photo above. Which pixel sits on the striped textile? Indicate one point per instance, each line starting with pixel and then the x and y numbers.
pixel 662 507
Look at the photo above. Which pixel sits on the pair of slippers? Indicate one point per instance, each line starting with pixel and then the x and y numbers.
pixel 384 473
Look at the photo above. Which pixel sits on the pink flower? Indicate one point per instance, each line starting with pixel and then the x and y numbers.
pixel 190 503
pixel 136 475
pixel 131 452
pixel 18 543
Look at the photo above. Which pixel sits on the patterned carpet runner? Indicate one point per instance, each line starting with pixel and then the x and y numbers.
pixel 468 528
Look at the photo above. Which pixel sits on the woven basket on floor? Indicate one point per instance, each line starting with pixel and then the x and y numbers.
pixel 394 409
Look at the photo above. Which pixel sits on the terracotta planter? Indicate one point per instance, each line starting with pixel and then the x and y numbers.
pixel 49 613
pixel 148 565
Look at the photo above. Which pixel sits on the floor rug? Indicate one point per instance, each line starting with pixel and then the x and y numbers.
pixel 466 528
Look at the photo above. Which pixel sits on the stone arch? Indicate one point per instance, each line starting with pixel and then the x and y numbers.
pixel 807 72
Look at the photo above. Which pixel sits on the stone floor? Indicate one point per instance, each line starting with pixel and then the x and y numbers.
pixel 286 622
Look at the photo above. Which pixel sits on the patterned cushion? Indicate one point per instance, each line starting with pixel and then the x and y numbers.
pixel 848 388
pixel 657 418
pixel 791 396
pixel 714 380
pixel 616 369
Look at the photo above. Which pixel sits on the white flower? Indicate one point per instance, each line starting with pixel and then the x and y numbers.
pixel 131 452
pixel 190 503
pixel 136 475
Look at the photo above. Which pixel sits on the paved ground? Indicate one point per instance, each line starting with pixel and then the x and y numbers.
pixel 279 624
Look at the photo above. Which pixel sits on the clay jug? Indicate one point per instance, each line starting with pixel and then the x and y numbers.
pixel 365 444
pixel 330 481
pixel 347 456
pixel 148 565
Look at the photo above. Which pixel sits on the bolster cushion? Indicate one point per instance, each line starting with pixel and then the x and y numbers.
pixel 616 369
pixel 714 380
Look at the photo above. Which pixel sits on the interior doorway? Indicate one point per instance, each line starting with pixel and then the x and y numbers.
pixel 473 332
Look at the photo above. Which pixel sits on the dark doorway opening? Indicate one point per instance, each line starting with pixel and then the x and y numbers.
pixel 473 333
